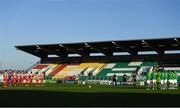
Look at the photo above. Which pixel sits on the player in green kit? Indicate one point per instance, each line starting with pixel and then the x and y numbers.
pixel 170 79
pixel 158 79
pixel 148 80
pixel 165 79
pixel 153 75
pixel 162 80
pixel 174 80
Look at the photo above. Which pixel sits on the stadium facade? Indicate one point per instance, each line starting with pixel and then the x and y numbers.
pixel 101 60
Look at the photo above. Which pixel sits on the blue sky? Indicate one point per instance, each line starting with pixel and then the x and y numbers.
pixel 24 22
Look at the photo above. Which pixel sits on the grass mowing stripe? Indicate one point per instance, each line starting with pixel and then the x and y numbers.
pixel 93 89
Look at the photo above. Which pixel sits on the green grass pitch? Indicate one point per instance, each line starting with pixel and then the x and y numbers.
pixel 69 95
pixel 92 89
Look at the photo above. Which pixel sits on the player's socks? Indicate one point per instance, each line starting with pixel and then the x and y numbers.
pixel 5 85
pixel 153 88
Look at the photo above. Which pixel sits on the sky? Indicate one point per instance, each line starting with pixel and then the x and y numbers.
pixel 24 22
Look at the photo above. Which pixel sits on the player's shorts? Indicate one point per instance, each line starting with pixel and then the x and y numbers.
pixel 42 80
pixel 5 81
pixel 10 81
pixel 18 82
pixel 175 81
pixel 148 82
pixel 162 81
pixel 37 81
pixel 165 81
pixel 24 81
pixel 30 80
pixel 14 79
pixel 33 81
pixel 170 81
pixel 154 81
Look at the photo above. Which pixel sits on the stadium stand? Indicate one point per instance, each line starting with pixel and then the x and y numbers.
pixel 83 68
pixel 50 69
pixel 58 69
pixel 97 71
pixel 88 67
pixel 92 70
pixel 39 68
pixel 121 68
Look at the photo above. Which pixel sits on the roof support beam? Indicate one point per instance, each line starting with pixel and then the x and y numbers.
pixel 125 49
pixel 43 57
pixel 153 47
pixel 107 53
pixel 177 41
pixel 71 49
pixel 50 51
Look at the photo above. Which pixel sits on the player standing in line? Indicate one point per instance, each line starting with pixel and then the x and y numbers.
pixel 162 80
pixel 10 78
pixel 153 79
pixel 42 79
pixel 18 78
pixel 166 79
pixel 27 78
pixel 148 80
pixel 22 78
pixel 37 79
pixel 170 80
pixel 5 79
pixel 31 78
pixel 175 80
pixel 158 79
pixel 14 78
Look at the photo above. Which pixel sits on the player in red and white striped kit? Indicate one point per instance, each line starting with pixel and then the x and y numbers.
pixel 14 78
pixel 18 78
pixel 31 78
pixel 37 79
pixel 27 79
pixel 42 79
pixel 5 79
pixel 22 78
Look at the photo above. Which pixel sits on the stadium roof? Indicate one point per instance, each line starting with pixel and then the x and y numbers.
pixel 105 47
